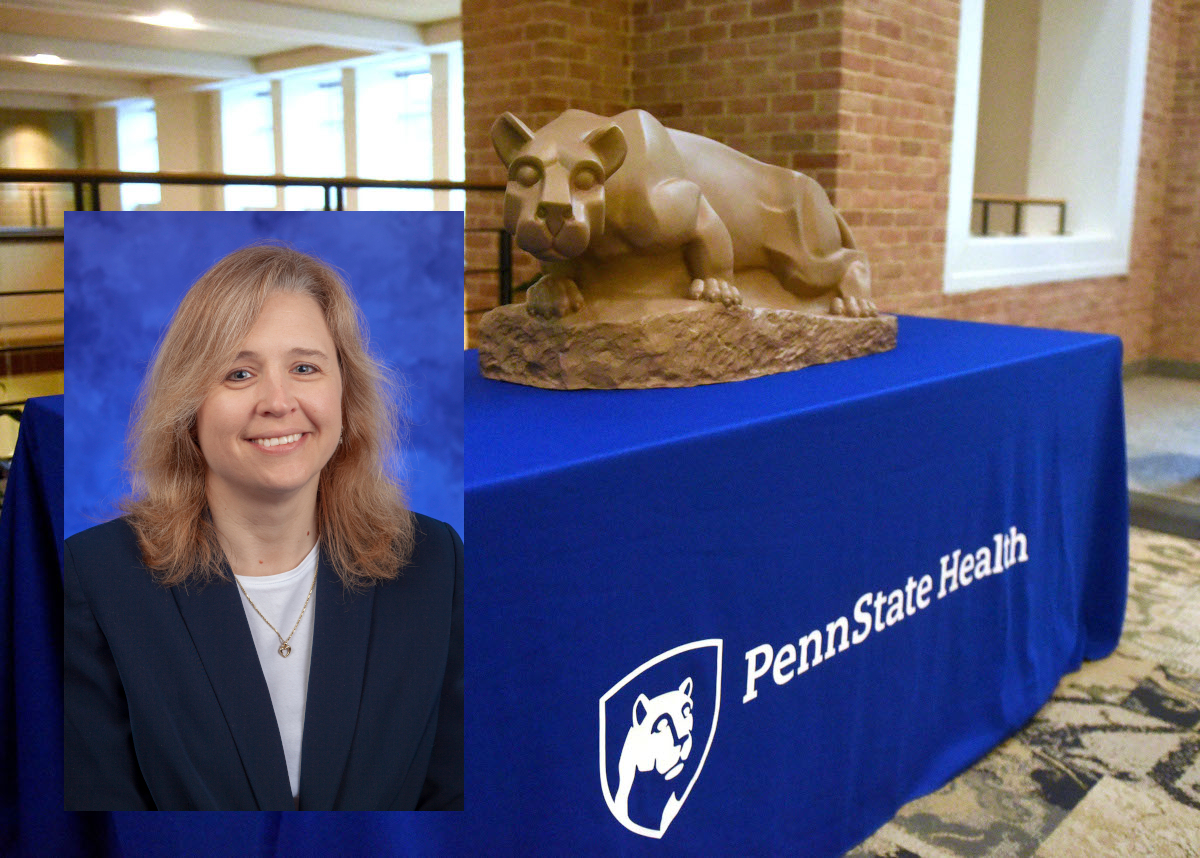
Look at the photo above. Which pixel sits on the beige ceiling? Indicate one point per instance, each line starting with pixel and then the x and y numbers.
pixel 112 55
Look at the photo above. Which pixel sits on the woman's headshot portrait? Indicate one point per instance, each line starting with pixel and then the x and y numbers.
pixel 263 573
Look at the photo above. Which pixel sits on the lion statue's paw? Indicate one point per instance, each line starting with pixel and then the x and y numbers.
pixel 553 298
pixel 715 290
pixel 858 308
pixel 851 298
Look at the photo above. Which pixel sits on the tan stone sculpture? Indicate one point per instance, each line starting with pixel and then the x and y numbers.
pixel 669 260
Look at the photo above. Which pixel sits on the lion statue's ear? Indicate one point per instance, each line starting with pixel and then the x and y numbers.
pixel 641 708
pixel 609 143
pixel 509 134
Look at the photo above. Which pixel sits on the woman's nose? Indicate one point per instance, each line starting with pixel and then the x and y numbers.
pixel 276 395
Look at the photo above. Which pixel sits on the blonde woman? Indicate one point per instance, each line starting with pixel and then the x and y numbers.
pixel 267 627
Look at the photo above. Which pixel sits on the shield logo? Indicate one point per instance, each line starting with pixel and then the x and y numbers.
pixel 652 726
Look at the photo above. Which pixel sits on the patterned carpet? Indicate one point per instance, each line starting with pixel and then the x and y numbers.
pixel 1110 766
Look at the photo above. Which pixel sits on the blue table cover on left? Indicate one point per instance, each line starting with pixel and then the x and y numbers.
pixel 31 536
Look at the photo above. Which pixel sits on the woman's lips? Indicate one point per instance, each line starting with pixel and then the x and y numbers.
pixel 278 442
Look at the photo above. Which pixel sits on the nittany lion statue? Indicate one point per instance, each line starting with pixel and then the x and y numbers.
pixel 603 201
pixel 659 740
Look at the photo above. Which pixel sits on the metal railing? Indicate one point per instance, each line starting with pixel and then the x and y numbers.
pixel 86 185
pixel 1018 204
pixel 503 269
pixel 85 190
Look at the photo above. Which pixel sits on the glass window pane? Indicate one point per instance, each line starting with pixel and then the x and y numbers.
pixel 395 131
pixel 248 143
pixel 313 134
pixel 137 151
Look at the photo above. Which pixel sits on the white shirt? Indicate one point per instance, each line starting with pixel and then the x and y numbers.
pixel 281 598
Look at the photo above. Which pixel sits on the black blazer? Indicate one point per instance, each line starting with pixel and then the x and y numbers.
pixel 167 707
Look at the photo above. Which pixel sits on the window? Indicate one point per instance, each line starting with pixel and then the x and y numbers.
pixel 405 123
pixel 313 133
pixel 1048 104
pixel 248 143
pixel 137 151
pixel 395 132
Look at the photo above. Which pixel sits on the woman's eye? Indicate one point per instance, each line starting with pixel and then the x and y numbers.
pixel 306 369
pixel 238 375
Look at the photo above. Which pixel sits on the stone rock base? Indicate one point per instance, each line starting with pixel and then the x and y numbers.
pixel 702 344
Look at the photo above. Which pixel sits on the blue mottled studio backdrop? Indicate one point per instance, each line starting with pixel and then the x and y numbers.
pixel 126 272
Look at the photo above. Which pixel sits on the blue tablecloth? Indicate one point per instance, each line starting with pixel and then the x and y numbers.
pixel 639 556
pixel 31 715
pixel 792 603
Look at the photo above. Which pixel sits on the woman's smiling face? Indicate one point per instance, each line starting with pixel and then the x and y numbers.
pixel 269 426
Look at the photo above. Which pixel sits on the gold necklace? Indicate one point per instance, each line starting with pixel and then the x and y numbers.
pixel 284 648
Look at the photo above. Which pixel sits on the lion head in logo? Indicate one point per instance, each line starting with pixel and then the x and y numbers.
pixel 554 202
pixel 659 740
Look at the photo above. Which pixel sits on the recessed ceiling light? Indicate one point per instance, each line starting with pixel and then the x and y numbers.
pixel 47 59
pixel 172 18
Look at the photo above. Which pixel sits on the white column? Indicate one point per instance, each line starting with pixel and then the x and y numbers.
pixel 183 129
pixel 105 155
pixel 213 159
pixel 350 131
pixel 439 70
pixel 277 125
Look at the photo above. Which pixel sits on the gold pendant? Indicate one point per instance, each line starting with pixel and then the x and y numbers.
pixel 285 650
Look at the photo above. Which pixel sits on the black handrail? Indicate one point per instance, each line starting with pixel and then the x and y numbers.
pixel 33 233
pixel 334 188
pixel 988 200
pixel 93 179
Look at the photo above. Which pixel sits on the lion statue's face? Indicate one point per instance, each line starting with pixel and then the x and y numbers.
pixel 554 202
pixel 663 726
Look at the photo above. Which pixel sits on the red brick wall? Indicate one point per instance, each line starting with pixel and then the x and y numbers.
pixel 1116 305
pixel 761 76
pixel 1177 308
pixel 858 94
pixel 895 116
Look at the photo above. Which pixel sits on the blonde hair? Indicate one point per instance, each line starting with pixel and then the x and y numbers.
pixel 363 523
